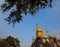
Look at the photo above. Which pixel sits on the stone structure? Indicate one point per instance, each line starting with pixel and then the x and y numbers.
pixel 42 40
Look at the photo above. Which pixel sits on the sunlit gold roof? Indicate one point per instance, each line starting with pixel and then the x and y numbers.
pixel 38 28
pixel 39 33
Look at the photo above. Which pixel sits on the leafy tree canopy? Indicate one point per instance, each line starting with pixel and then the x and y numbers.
pixel 9 42
pixel 23 6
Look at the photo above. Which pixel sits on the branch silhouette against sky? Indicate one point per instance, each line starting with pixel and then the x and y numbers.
pixel 19 7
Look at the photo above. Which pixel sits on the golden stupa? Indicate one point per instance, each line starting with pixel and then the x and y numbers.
pixel 40 34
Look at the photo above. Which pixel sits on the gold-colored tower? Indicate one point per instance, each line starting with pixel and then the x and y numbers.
pixel 39 33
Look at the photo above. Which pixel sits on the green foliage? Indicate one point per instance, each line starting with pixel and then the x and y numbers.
pixel 23 6
pixel 12 41
pixel 4 44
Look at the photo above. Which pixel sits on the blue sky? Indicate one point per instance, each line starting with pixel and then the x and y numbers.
pixel 24 31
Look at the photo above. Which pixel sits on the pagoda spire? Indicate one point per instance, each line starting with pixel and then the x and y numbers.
pixel 47 30
pixel 39 32
pixel 38 28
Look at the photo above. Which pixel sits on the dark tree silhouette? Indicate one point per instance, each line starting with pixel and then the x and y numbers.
pixel 23 6
pixel 10 42
pixel 4 44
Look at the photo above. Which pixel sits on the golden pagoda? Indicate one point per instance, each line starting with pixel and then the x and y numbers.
pixel 39 33
pixel 44 40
